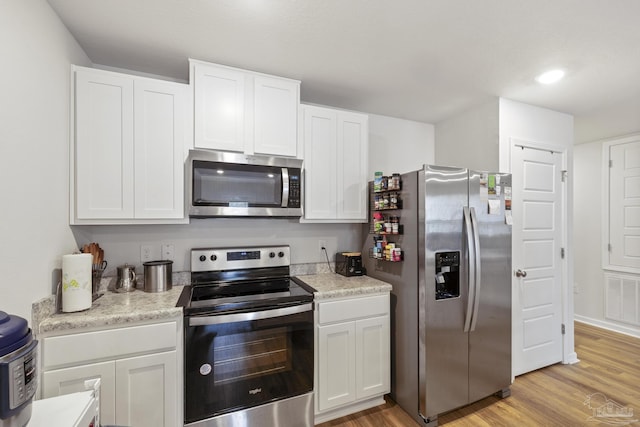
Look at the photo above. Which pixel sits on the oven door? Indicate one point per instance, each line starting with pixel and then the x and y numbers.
pixel 237 361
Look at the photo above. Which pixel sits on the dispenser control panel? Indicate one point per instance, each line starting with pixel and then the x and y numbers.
pixel 447 275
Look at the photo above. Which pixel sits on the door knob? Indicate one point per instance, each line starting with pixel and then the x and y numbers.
pixel 520 273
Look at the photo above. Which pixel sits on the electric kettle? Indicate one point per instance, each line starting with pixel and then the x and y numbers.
pixel 126 281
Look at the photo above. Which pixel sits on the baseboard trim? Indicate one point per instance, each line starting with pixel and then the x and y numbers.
pixel 348 410
pixel 634 332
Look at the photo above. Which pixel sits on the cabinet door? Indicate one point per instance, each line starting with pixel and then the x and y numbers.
pixel 159 149
pixel 146 390
pixel 219 108
pixel 372 357
pixel 276 104
pixel 352 165
pixel 320 144
pixel 71 380
pixel 104 145
pixel 336 365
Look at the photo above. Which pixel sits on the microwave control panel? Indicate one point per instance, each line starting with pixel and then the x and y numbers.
pixel 294 189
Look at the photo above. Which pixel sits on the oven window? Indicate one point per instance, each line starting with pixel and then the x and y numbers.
pixel 236 185
pixel 233 366
pixel 242 356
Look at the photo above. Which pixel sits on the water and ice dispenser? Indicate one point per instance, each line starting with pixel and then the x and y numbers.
pixel 447 275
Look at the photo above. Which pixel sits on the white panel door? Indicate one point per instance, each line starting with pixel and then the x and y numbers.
pixel 352 155
pixel 276 103
pixel 624 207
pixel 103 145
pixel 336 370
pixel 219 108
pixel 320 143
pixel 71 380
pixel 146 390
pixel 373 361
pixel 537 237
pixel 159 149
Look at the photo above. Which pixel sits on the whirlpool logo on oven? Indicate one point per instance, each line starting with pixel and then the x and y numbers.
pixel 255 391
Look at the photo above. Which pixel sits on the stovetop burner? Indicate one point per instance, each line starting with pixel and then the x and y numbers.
pixel 240 280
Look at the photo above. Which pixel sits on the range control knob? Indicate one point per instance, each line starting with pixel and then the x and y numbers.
pixel 280 254
pixel 214 257
pixel 272 254
pixel 203 258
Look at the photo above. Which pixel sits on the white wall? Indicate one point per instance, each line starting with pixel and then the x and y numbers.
pixel 470 139
pixel 535 124
pixel 608 121
pixel 122 243
pixel 397 145
pixel 589 202
pixel 587 231
pixel 36 51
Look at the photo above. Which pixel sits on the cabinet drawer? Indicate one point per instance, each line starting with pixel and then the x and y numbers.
pixel 74 349
pixel 353 308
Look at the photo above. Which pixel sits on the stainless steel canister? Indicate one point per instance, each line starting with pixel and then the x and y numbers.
pixel 157 276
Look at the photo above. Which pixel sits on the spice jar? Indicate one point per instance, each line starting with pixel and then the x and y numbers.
pixel 395 181
pixel 395 225
pixel 393 200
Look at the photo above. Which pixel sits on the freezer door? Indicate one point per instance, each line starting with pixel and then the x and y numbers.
pixel 490 336
pixel 443 344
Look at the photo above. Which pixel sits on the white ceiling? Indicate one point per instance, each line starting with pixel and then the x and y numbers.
pixel 423 60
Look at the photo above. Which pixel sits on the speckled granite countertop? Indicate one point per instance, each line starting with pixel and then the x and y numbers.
pixel 113 309
pixel 330 285
pixel 117 309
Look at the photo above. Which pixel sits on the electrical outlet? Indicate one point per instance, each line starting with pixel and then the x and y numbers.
pixel 146 253
pixel 167 252
pixel 322 244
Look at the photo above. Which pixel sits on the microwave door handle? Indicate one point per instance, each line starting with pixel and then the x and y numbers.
pixel 285 187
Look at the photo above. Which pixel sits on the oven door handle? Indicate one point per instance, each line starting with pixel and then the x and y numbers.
pixel 244 317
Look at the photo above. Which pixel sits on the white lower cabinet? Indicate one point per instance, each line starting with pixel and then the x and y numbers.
pixel 352 355
pixel 141 390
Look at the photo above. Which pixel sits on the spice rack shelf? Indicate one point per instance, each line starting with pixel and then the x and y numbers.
pixel 385 225
pixel 372 256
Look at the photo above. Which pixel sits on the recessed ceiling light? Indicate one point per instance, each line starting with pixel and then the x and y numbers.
pixel 549 77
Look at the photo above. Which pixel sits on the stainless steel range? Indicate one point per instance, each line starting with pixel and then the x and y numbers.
pixel 248 339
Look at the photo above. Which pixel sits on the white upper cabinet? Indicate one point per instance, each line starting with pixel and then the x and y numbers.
pixel 219 108
pixel 103 145
pixel 335 165
pixel 244 111
pixel 159 111
pixel 127 157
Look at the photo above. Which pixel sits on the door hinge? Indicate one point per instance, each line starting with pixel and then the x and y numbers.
pixel 562 253
pixel 609 247
pixel 610 163
pixel 563 329
pixel 564 175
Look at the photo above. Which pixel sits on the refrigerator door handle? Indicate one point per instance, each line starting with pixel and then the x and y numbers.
pixel 472 267
pixel 478 278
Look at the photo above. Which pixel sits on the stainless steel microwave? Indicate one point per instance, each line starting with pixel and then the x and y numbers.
pixel 222 184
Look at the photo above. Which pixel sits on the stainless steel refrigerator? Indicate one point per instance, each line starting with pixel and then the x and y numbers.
pixel 451 298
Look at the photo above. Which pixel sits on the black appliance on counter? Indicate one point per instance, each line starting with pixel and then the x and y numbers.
pixel 349 264
pixel 18 378
pixel 248 339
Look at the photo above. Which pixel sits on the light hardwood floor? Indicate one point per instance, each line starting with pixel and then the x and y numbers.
pixel 553 396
